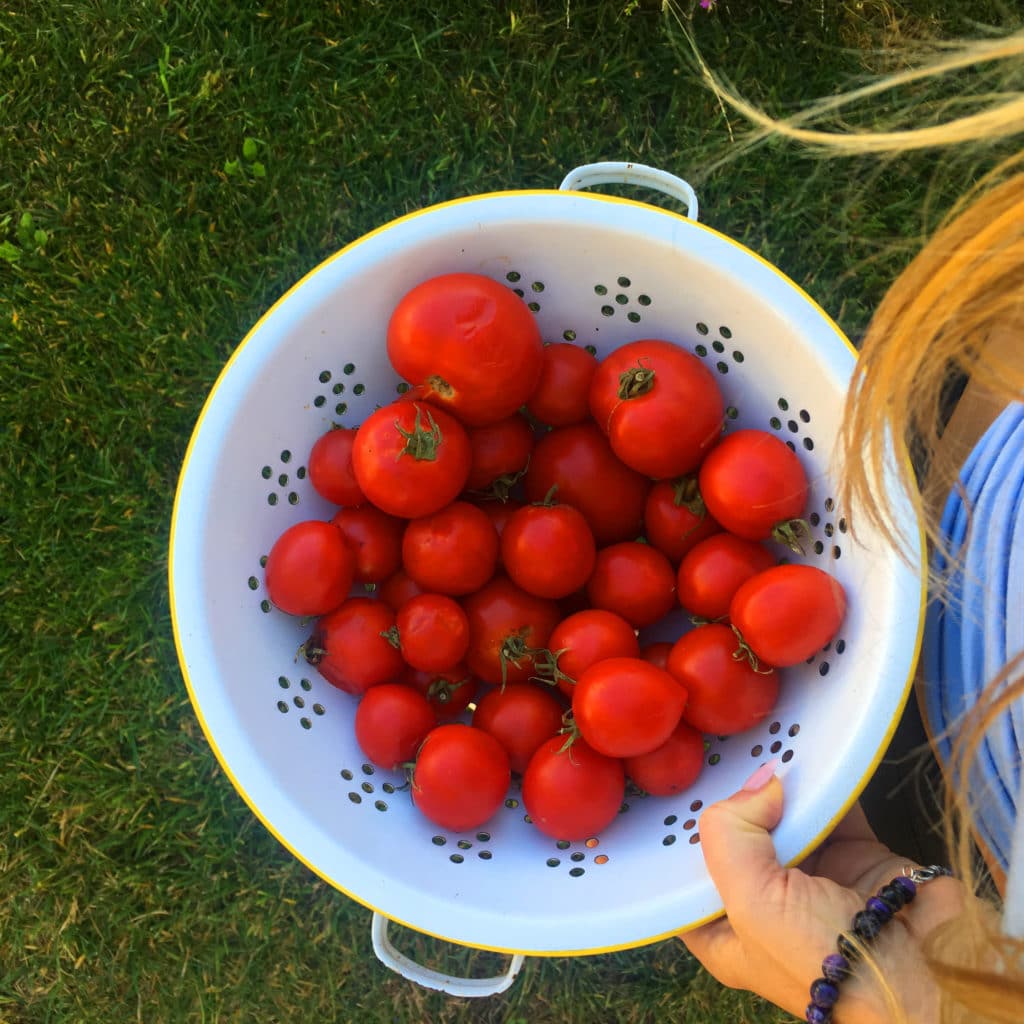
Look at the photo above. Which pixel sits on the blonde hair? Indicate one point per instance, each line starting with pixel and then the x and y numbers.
pixel 943 320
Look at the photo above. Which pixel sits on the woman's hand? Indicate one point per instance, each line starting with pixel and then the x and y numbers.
pixel 782 922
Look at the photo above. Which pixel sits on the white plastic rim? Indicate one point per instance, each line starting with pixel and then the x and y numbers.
pixel 603 271
pixel 618 172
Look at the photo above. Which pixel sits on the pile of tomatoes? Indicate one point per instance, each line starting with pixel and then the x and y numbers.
pixel 511 523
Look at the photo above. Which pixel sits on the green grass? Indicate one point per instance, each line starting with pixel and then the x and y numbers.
pixel 141 234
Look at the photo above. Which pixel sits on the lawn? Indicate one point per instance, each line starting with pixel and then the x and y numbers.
pixel 171 167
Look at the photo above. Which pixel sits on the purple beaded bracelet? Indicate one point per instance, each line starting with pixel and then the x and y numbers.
pixel 867 923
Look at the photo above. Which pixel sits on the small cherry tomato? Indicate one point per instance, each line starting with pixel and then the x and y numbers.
pixel 548 550
pixel 635 581
pixel 398 588
pixel 672 767
pixel 675 519
pixel 520 716
pixel 453 551
pixel 499 454
pixel 310 569
pixel 715 569
pixel 391 722
pixel 561 397
pixel 585 638
pixel 433 632
pixel 376 539
pixel 330 468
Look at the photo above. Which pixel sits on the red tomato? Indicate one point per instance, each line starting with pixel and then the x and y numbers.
pixel 520 716
pixel 657 653
pixel 499 454
pixel 755 486
pixel 659 405
pixel 548 550
pixel 471 342
pixel 330 468
pixel 410 458
pixel 672 767
pixel 507 629
pixel 572 793
pixel 499 513
pixel 461 777
pixel 715 569
pixel 449 692
pixel 391 722
pixel 398 588
pixel 349 649
pixel 562 395
pixel 433 632
pixel 788 613
pixel 675 519
pixel 725 695
pixel 585 638
pixel 626 706
pixel 579 461
pixel 452 551
pixel 310 569
pixel 376 539
pixel 635 581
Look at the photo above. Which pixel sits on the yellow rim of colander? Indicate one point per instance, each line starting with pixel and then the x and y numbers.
pixel 180 652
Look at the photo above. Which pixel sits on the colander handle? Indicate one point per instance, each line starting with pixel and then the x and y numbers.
pixel 619 173
pixel 400 963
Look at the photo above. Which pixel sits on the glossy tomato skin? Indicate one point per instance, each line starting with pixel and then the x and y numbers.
pixel 562 395
pixel 310 569
pixel 548 550
pixel 452 551
pixel 449 692
pixel 715 569
pixel 626 706
pixel 725 695
pixel 679 400
pixel 410 458
pixel 471 342
pixel 348 647
pixel 575 793
pixel 580 463
pixel 398 588
pixel 520 716
pixel 671 768
pixel 376 539
pixel 505 625
pixel 587 637
pixel 461 777
pixel 433 632
pixel 633 580
pixel 330 468
pixel 499 453
pixel 674 523
pixel 391 722
pixel 788 613
pixel 751 483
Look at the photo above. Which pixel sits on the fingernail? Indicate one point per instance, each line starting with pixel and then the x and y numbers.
pixel 761 777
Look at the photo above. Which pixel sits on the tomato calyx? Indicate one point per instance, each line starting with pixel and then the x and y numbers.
pixel 514 650
pixel 312 651
pixel 546 663
pixel 789 533
pixel 548 501
pixel 686 494
pixel 392 637
pixel 744 651
pixel 421 444
pixel 501 487
pixel 571 731
pixel 439 386
pixel 636 381
pixel 442 690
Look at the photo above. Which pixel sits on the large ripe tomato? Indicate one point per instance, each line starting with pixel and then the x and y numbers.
pixel 520 716
pixel 452 551
pixel 675 518
pixel 348 647
pixel 411 458
pixel 330 468
pixel 449 693
pixel 585 638
pixel 548 550
pixel 672 767
pixel 471 342
pixel 755 486
pixel 461 777
pixel 376 539
pixel 715 569
pixel 725 695
pixel 391 722
pixel 659 405
pixel 572 792
pixel 499 454
pixel 562 395
pixel 433 632
pixel 579 462
pixel 507 627
pixel 310 569
pixel 788 613
pixel 626 706
pixel 635 581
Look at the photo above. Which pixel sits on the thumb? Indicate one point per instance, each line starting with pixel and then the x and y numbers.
pixel 737 844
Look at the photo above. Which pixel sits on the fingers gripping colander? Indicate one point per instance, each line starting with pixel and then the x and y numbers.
pixel 599 271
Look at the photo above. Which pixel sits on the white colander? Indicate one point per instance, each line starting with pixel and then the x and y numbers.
pixel 600 271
